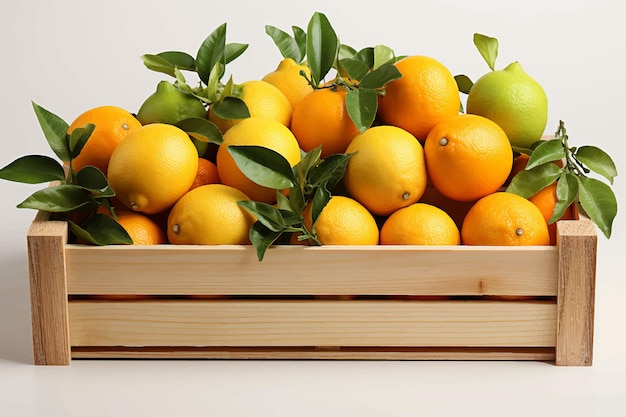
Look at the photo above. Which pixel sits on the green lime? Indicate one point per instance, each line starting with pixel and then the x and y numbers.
pixel 514 100
pixel 168 104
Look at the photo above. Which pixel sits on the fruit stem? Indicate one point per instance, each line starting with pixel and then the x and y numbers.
pixel 572 164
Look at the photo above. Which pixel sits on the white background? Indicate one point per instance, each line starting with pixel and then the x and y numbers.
pixel 72 55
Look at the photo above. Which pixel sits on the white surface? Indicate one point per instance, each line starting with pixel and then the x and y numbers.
pixel 69 56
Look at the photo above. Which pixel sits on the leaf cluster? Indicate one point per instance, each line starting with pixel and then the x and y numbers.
pixel 73 192
pixel 362 73
pixel 574 182
pixel 309 183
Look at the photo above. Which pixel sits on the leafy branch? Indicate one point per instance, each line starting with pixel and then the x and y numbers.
pixel 309 184
pixel 81 192
pixel 573 181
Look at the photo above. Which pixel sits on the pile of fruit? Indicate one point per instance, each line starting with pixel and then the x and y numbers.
pixel 337 146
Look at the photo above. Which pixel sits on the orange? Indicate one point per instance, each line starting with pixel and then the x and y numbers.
pixel 112 125
pixel 520 162
pixel 256 131
pixel 263 100
pixel 210 215
pixel 425 94
pixel 343 221
pixel 141 229
pixel 387 170
pixel 457 210
pixel 321 118
pixel 289 81
pixel 504 219
pixel 206 174
pixel 546 199
pixel 467 157
pixel 153 167
pixel 420 224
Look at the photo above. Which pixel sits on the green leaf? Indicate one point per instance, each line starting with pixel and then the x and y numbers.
pixel 55 130
pixel 211 52
pixel 78 139
pixel 320 199
pixel 282 202
pixel 354 68
pixel 201 129
pixel 101 229
pixel 33 169
pixel 233 51
pixel 263 166
pixel 297 199
pixel 267 214
pixel 366 56
pixel 599 202
pixel 362 106
pixel 379 77
pixel 262 238
pixel 93 180
pixel 158 63
pixel 330 171
pixel 287 45
pixel 546 151
pixel 383 55
pixel 464 83
pixel 231 108
pixel 180 60
pixel 321 47
pixel 566 193
pixel 345 52
pixel 598 161
pixel 300 36
pixel 60 198
pixel 310 160
pixel 529 181
pixel 488 48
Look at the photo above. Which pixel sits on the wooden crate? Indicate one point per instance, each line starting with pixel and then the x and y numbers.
pixel 166 301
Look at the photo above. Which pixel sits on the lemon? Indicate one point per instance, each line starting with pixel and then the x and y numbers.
pixel 168 104
pixel 514 100
pixel 153 167
pixel 289 81
pixel 210 215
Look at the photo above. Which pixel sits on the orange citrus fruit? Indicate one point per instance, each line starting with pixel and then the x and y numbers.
pixel 112 125
pixel 504 219
pixel 420 224
pixel 263 100
pixel 289 81
pixel 343 221
pixel 210 215
pixel 425 94
pixel 546 199
pixel 467 157
pixel 457 210
pixel 206 174
pixel 256 131
pixel 321 119
pixel 141 229
pixel 153 167
pixel 387 170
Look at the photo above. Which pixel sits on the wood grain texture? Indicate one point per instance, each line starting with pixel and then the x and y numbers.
pixel 48 291
pixel 312 323
pixel 379 270
pixel 577 241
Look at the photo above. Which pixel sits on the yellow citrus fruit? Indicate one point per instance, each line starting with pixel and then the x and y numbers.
pixel 454 208
pixel 420 224
pixel 343 221
pixel 546 199
pixel 206 174
pixel 210 215
pixel 467 157
pixel 168 104
pixel 153 167
pixel 289 81
pixel 387 170
pixel 514 100
pixel 141 229
pixel 321 119
pixel 425 94
pixel 256 131
pixel 504 219
pixel 263 100
pixel 112 125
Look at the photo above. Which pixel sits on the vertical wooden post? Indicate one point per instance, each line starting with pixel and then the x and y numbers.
pixel 48 291
pixel 577 242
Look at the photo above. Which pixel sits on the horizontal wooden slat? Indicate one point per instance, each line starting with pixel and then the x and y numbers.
pixel 312 323
pixel 289 270
pixel 353 353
